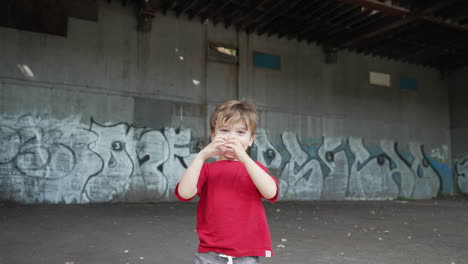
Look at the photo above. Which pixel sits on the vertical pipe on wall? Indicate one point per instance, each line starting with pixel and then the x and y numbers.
pixel 204 85
pixel 238 66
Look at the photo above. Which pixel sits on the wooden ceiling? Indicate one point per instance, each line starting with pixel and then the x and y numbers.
pixel 432 33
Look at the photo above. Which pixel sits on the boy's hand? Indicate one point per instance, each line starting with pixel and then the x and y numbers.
pixel 236 149
pixel 213 149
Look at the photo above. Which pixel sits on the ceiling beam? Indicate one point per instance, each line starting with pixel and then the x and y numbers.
pixel 238 17
pixel 407 17
pixel 309 20
pixel 219 15
pixel 266 23
pixel 314 20
pixel 207 11
pixel 437 6
pixel 337 23
pixel 249 25
pixel 383 7
pixel 445 22
pixel 333 22
pixel 379 31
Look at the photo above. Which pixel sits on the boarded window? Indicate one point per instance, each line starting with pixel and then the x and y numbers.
pixel 222 53
pixel 378 78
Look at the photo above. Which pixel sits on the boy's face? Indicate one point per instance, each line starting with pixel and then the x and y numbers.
pixel 234 130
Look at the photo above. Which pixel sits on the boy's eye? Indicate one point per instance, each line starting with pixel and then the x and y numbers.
pixel 241 132
pixel 223 130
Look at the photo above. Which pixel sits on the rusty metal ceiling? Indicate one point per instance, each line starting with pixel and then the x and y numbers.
pixel 431 33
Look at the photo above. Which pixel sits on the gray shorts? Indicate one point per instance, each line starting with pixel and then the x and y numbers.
pixel 216 258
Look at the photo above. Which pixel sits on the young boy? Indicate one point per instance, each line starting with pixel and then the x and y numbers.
pixel 231 220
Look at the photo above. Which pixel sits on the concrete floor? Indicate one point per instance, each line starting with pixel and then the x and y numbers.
pixel 385 232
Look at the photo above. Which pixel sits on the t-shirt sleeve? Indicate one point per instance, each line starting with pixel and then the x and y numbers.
pixel 276 182
pixel 200 185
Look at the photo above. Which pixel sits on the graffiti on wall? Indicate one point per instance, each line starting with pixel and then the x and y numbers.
pixel 301 177
pixel 45 160
pixel 334 160
pixel 64 161
pixel 461 173
pixel 348 169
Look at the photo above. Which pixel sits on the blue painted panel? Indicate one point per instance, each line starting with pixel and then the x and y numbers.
pixel 267 60
pixel 408 84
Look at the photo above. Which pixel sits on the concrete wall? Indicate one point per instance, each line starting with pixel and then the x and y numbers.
pixel 459 123
pixel 112 114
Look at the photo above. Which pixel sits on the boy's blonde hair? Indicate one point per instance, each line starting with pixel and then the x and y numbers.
pixel 235 111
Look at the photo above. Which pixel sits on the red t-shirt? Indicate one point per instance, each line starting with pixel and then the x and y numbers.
pixel 231 218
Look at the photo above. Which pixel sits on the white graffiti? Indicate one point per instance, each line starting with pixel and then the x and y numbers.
pixel 370 177
pixel 301 177
pixel 88 163
pixel 462 175
pixel 335 183
pixel 358 174
pixel 43 162
pixel 64 161
pixel 440 153
pixel 152 152
pixel 402 171
pixel 427 182
pixel 267 154
pixel 114 146
pixel 179 156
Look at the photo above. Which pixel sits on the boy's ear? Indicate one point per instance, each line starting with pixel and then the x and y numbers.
pixel 252 138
